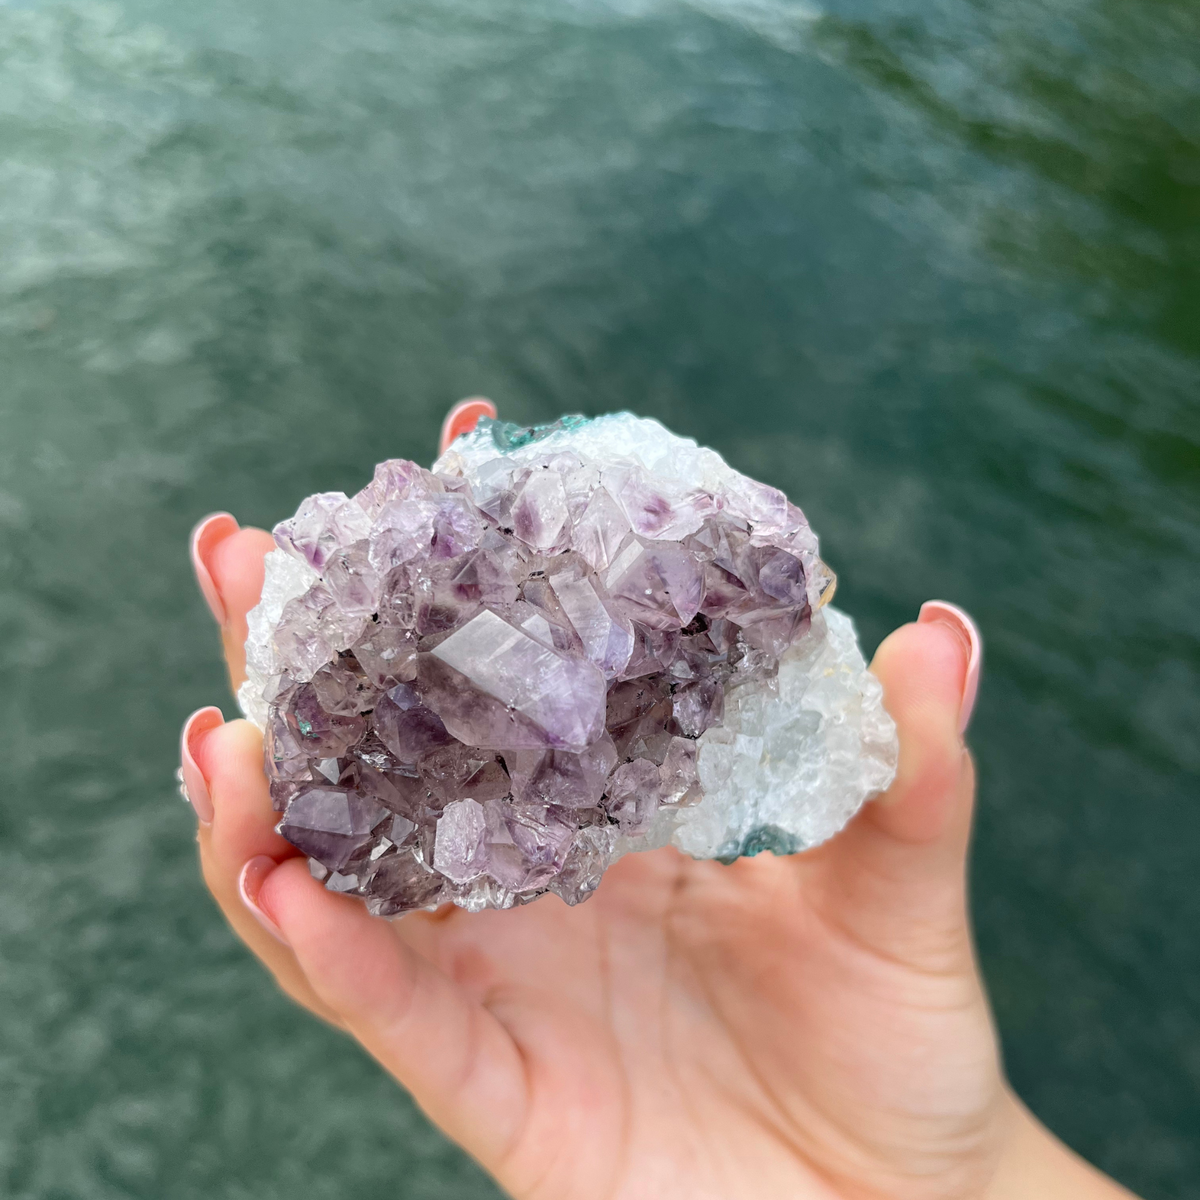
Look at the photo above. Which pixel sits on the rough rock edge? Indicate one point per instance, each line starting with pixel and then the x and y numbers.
pixel 796 755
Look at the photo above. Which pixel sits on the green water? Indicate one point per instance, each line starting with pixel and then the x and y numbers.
pixel 933 267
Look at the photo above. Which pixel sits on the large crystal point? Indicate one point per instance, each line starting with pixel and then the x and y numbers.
pixel 606 633
pixel 331 824
pixel 507 687
pixel 488 681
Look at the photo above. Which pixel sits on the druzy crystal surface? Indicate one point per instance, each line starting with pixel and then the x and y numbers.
pixel 489 680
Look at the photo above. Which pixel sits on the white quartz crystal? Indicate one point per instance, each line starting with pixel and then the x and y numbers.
pixel 794 762
pixel 284 578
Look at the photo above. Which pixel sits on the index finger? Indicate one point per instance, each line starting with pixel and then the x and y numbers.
pixel 229 568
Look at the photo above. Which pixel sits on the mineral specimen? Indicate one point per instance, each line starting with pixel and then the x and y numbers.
pixel 490 680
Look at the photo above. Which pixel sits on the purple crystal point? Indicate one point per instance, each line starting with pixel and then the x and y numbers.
pixel 659 584
pixel 399 882
pixel 697 706
pixel 539 513
pixel 352 581
pixel 457 527
pixel 321 734
pixel 496 685
pixel 460 850
pixel 388 655
pixel 331 824
pixel 634 795
pixel 406 727
pixel 600 530
pixel 324 524
pixel 404 530
pixel 285 759
pixel 657 512
pixel 342 689
pixel 526 844
pixel 679 776
pixel 605 632
pixel 590 855
pixel 481 684
pixel 560 777
pixel 395 479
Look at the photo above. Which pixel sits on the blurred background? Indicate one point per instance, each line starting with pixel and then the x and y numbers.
pixel 932 266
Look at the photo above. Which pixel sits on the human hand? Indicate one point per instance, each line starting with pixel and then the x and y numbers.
pixel 811 1026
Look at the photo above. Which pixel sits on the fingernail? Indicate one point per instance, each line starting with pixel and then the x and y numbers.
pixel 206 537
pixel 463 417
pixel 952 615
pixel 192 783
pixel 254 875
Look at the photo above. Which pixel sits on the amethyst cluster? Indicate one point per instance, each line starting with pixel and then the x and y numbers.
pixel 484 682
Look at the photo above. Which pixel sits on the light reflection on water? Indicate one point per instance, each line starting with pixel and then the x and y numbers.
pixel 933 269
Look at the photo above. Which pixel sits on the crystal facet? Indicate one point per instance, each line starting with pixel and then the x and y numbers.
pixel 490 680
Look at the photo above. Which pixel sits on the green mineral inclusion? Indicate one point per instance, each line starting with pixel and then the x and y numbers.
pixel 765 838
pixel 507 436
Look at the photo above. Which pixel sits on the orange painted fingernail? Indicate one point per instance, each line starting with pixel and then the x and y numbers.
pixel 250 881
pixel 192 783
pixel 206 537
pixel 462 418
pixel 952 615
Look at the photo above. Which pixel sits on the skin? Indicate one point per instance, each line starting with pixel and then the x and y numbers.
pixel 812 1026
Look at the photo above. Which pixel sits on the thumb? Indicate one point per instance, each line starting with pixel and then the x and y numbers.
pixel 899 870
pixel 930 675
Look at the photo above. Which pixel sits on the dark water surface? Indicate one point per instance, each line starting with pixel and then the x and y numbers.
pixel 933 267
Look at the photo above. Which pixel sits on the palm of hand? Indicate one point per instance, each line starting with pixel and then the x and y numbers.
pixel 692 1019
pixel 809 1027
